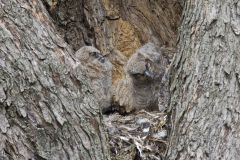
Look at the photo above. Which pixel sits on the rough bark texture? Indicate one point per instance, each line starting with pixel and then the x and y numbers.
pixel 205 83
pixel 117 27
pixel 47 109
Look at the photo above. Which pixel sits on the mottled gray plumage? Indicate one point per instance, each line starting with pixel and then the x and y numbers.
pixel 141 87
pixel 99 70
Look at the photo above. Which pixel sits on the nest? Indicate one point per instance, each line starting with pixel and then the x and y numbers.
pixel 139 136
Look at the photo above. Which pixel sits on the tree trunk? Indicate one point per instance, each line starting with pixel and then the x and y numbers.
pixel 116 27
pixel 205 85
pixel 47 109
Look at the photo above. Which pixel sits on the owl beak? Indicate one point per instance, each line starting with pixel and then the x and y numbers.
pixel 148 74
pixel 102 59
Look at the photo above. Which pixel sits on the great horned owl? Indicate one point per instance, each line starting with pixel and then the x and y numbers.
pixel 99 69
pixel 141 87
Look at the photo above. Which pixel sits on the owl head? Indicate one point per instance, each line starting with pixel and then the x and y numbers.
pixel 145 64
pixel 94 61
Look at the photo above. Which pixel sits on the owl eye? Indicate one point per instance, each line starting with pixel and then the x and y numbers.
pixel 147 60
pixel 137 75
pixel 94 54
pixel 102 59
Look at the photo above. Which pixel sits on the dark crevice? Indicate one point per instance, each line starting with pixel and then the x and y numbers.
pixel 79 24
pixel 72 23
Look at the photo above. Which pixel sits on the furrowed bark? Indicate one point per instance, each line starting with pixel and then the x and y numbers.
pixel 117 27
pixel 47 109
pixel 205 83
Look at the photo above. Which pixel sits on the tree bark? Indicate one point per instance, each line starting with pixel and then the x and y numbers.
pixel 116 27
pixel 47 108
pixel 205 84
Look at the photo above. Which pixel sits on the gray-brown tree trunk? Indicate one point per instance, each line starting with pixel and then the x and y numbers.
pixel 47 109
pixel 205 84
